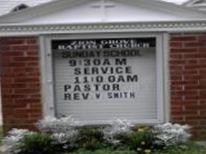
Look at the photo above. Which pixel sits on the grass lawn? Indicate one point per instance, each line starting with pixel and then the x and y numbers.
pixel 190 149
pixel 1 134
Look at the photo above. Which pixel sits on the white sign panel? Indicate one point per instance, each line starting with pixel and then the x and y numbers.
pixel 97 80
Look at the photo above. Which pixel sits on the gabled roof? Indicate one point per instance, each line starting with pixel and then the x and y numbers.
pixel 7 5
pixel 144 13
pixel 64 11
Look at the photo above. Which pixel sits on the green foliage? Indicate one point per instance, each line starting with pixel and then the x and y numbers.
pixel 1 134
pixel 140 140
pixel 90 138
pixel 190 148
pixel 37 143
pixel 104 151
pixel 97 140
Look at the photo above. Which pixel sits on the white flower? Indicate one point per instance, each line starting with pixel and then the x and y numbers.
pixel 54 125
pixel 171 134
pixel 63 129
pixel 117 126
pixel 63 138
pixel 14 136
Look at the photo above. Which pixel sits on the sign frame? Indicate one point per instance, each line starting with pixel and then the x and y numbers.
pixel 162 72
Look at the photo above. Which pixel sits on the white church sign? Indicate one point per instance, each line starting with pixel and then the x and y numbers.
pixel 97 80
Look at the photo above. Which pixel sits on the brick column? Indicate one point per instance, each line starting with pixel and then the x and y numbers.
pixel 20 79
pixel 188 81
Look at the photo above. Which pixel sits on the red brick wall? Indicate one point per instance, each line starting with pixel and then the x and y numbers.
pixel 188 81
pixel 20 79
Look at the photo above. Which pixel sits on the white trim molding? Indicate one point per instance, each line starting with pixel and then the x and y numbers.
pixel 163 103
pixel 183 26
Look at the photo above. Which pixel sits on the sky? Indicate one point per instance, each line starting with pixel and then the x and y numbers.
pixel 176 1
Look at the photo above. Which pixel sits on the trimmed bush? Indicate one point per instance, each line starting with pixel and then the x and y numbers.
pixel 104 151
pixel 90 138
pixel 37 143
pixel 67 135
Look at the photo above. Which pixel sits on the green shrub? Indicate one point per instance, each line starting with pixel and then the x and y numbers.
pixel 90 138
pixel 141 141
pixel 190 148
pixel 1 135
pixel 64 135
pixel 180 149
pixel 37 143
pixel 104 151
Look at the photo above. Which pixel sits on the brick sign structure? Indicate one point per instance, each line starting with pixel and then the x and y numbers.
pixel 65 58
pixel 188 79
pixel 20 81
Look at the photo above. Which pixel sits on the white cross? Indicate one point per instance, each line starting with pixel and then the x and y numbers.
pixel 103 5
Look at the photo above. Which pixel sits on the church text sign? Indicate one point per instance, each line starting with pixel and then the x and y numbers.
pixel 103 79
